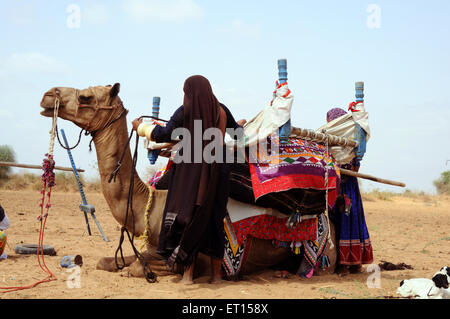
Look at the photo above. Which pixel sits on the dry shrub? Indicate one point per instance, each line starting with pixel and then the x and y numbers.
pixel 443 183
pixel 376 194
pixel 7 154
pixel 421 195
pixel 21 182
pixel 65 182
pixel 367 197
pixel 93 186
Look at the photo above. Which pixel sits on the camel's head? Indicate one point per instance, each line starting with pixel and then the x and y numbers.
pixel 91 109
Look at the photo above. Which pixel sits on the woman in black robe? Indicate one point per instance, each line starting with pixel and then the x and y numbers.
pixel 198 189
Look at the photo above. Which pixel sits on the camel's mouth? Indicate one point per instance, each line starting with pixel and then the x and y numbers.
pixel 48 102
pixel 47 112
pixel 48 107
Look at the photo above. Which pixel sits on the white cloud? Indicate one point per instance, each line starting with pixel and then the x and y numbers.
pixel 95 14
pixel 32 62
pixel 244 29
pixel 163 10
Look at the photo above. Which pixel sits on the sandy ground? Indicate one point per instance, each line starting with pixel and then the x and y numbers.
pixel 408 230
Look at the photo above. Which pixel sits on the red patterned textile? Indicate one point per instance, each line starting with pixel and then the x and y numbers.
pixel 355 252
pixel 274 228
pixel 297 164
pixel 287 182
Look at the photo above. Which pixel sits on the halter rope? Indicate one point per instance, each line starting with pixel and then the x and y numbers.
pixel 48 180
pixel 326 190
pixel 144 238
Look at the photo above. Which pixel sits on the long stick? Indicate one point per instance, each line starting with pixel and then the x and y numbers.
pixel 320 137
pixel 372 178
pixel 80 186
pixel 37 166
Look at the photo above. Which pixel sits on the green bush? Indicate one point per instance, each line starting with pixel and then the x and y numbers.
pixel 443 184
pixel 6 155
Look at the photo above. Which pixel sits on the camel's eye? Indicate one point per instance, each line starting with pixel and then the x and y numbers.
pixel 86 99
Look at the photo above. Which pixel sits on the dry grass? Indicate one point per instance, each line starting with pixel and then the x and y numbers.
pixel 65 182
pixel 377 194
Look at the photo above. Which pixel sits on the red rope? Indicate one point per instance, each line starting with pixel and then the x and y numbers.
pixel 48 180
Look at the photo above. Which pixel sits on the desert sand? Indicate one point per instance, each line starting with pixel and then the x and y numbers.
pixel 415 231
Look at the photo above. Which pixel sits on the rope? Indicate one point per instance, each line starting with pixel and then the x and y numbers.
pixel 326 189
pixel 92 133
pixel 53 130
pixel 150 276
pixel 48 181
pixel 145 236
pixel 65 147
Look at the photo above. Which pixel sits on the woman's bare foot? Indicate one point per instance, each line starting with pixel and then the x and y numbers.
pixel 186 281
pixel 341 270
pixel 216 276
pixel 188 275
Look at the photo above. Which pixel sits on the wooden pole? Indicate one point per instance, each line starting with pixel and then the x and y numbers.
pixel 285 130
pixel 320 137
pixel 359 91
pixel 37 166
pixel 372 178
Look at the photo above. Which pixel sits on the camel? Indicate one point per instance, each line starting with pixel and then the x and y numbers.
pixel 100 111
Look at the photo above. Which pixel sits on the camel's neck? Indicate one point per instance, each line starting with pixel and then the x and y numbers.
pixel 109 145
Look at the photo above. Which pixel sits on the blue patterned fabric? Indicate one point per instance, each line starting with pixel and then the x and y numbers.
pixel 354 241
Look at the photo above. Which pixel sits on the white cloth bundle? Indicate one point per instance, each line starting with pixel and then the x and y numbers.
pixel 344 126
pixel 146 129
pixel 270 118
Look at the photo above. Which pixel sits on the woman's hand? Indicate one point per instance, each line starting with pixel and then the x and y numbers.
pixel 136 123
pixel 241 122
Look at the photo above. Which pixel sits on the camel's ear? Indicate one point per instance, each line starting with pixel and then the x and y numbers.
pixel 115 90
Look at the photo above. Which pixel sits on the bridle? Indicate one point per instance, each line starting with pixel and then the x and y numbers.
pixel 90 128
pixel 97 107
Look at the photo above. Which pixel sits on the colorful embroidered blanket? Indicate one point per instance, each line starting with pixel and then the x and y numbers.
pixel 275 228
pixel 235 254
pixel 237 243
pixel 298 164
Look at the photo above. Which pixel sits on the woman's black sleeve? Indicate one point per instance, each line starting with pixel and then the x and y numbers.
pixel 232 125
pixel 163 134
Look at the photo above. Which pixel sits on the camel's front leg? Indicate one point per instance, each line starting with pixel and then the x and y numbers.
pixel 109 263
pixel 154 261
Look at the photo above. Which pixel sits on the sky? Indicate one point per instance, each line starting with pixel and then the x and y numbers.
pixel 400 49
